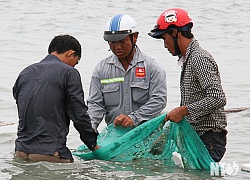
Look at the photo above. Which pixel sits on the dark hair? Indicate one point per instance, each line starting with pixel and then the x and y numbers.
pixel 63 43
pixel 187 34
pixel 185 30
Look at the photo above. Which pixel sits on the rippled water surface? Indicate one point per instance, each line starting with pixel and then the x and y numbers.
pixel 221 26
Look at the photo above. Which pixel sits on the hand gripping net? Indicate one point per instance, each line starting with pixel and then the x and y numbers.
pixel 153 139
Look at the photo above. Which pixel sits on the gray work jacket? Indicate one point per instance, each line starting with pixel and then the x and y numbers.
pixel 140 92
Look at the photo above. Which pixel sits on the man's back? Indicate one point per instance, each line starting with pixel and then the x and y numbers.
pixel 48 95
pixel 41 95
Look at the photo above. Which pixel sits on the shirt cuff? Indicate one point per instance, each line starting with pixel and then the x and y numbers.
pixel 136 122
pixel 94 127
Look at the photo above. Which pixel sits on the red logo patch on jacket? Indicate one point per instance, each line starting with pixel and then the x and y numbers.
pixel 140 72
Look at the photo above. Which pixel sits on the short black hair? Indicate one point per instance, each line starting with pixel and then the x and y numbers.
pixel 63 43
pixel 185 30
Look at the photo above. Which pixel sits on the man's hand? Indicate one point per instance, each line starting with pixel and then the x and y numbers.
pixel 177 114
pixel 96 147
pixel 123 120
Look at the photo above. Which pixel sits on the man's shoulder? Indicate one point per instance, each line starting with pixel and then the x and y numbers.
pixel 108 60
pixel 49 64
pixel 29 67
pixel 201 55
pixel 197 51
pixel 151 60
pixel 147 57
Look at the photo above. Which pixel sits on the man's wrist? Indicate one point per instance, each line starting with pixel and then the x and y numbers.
pixel 185 110
pixel 133 117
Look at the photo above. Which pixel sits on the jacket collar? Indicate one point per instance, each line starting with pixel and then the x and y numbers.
pixel 136 58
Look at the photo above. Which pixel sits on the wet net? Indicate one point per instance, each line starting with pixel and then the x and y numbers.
pixel 173 143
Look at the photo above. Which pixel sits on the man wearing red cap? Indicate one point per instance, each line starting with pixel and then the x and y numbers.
pixel 202 96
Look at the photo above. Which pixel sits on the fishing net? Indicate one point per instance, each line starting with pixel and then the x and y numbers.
pixel 153 139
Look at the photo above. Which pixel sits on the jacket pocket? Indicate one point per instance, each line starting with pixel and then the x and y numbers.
pixel 111 94
pixel 140 92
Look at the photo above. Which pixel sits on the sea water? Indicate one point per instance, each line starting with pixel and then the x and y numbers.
pixel 27 27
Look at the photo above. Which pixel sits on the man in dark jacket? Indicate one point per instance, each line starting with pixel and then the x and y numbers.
pixel 48 94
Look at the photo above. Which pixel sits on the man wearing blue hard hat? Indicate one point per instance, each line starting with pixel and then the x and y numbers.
pixel 128 87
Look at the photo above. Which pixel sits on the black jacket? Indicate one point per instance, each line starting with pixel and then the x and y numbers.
pixel 48 94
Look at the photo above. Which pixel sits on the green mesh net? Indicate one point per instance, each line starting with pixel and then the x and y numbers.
pixel 173 143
